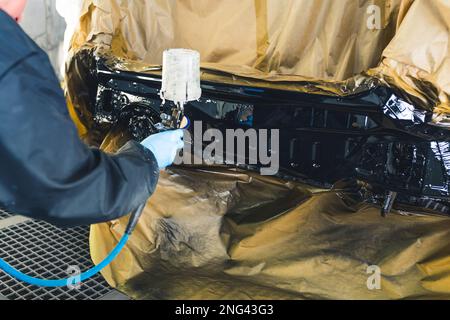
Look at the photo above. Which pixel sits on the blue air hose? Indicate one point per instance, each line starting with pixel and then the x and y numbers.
pixel 85 275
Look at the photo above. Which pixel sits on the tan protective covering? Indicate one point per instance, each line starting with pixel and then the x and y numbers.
pixel 319 249
pixel 218 233
pixel 417 60
pixel 313 46
pixel 283 38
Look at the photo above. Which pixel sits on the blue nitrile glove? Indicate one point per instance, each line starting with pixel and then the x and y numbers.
pixel 165 146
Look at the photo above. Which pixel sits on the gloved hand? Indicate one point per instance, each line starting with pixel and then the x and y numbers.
pixel 165 146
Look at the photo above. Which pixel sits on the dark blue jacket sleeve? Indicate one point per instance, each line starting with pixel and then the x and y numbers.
pixel 46 171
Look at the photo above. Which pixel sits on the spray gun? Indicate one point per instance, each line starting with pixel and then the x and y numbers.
pixel 180 84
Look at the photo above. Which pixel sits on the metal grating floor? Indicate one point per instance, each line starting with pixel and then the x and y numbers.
pixel 40 249
pixel 4 214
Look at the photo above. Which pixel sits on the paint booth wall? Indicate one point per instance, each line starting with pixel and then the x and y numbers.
pixel 44 25
pixel 51 23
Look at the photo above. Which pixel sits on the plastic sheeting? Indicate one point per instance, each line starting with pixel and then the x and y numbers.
pixel 417 60
pixel 217 233
pixel 248 37
pixel 312 46
pixel 222 233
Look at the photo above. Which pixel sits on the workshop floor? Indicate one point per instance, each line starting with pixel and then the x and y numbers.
pixel 40 249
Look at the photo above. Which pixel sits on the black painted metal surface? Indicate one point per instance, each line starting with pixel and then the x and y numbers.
pixel 375 143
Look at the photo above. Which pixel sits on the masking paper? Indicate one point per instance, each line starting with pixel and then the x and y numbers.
pixel 223 233
pixel 316 46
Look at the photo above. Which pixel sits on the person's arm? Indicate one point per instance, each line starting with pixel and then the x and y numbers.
pixel 46 171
